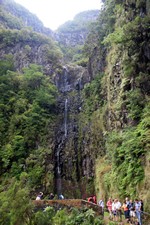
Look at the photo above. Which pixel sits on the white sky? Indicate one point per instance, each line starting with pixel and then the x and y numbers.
pixel 54 13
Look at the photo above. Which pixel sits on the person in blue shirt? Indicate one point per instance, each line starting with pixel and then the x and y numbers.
pixel 101 203
pixel 138 211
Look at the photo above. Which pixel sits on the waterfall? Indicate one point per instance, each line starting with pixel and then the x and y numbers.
pixel 58 150
pixel 58 173
pixel 65 84
pixel 58 161
pixel 58 170
pixel 61 135
pixel 65 80
pixel 65 117
pixel 70 81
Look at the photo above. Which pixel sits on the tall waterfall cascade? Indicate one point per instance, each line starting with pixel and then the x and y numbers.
pixel 69 84
pixel 60 142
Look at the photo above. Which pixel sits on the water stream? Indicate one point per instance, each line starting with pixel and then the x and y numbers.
pixel 61 136
pixel 65 116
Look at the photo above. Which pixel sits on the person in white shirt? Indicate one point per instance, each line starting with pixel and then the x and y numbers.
pixel 118 210
pixel 114 209
pixel 101 203
pixel 39 196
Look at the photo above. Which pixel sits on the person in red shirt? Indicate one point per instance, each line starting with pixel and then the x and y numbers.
pixel 109 207
pixel 90 199
pixel 94 199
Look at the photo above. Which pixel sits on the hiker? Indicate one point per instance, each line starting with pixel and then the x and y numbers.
pixel 118 209
pixel 142 208
pixel 114 210
pixel 142 205
pixel 39 196
pixel 61 196
pixel 132 212
pixel 101 203
pixel 94 199
pixel 138 211
pixel 127 200
pixel 128 203
pixel 125 209
pixel 90 199
pixel 109 207
pixel 51 196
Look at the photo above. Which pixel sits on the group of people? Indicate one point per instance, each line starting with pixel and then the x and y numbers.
pixel 50 197
pixel 132 210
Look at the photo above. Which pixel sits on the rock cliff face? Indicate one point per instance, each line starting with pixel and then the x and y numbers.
pixel 74 33
pixel 27 47
pixel 104 137
pixel 119 82
pixel 101 123
pixel 25 39
pixel 72 164
pixel 126 95
pixel 71 36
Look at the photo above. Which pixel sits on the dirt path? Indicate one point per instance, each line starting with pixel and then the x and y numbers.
pixel 112 222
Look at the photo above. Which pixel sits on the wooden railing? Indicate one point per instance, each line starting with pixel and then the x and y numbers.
pixel 68 203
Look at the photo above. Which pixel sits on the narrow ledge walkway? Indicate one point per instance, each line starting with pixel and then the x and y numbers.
pixel 68 203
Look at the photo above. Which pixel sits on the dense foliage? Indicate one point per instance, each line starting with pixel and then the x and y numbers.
pixel 114 117
pixel 26 118
pixel 15 204
pixel 71 217
pixel 17 208
pixel 29 39
pixel 80 23
pixel 8 20
pixel 92 95
pixel 122 100
pixel 19 17
pixel 72 35
pixel 127 151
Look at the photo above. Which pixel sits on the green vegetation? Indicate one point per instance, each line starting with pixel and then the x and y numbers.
pixel 15 205
pixel 26 117
pixel 15 16
pixel 75 32
pixel 113 135
pixel 116 108
pixel 12 37
pixel 10 21
pixel 92 95
pixel 74 54
pixel 72 26
pixel 126 152
pixel 80 23
pixel 17 208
